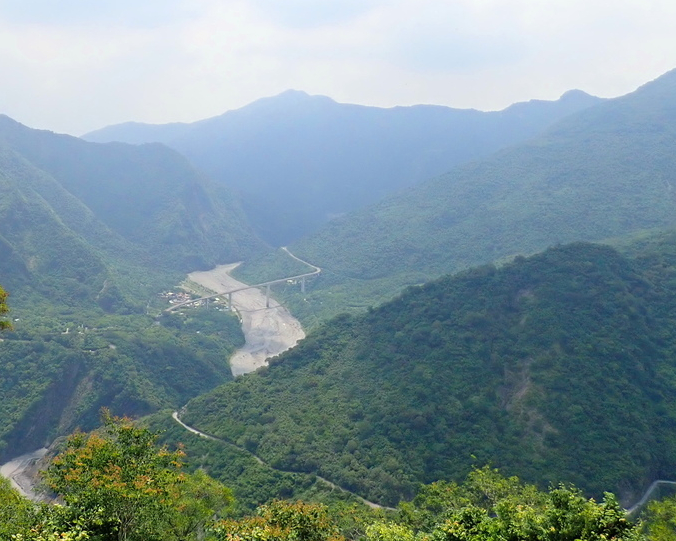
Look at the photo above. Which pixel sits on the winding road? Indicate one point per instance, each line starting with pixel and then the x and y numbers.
pixel 646 497
pixel 268 332
pixel 258 459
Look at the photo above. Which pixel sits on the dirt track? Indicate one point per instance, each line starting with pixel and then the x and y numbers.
pixel 268 331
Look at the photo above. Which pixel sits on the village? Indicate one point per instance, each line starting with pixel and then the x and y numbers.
pixel 183 298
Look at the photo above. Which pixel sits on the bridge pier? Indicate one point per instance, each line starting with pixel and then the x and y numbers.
pixel 302 284
pixel 230 301
pixel 267 296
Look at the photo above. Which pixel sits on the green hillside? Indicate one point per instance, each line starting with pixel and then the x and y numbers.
pixel 558 367
pixel 55 376
pixel 604 172
pixel 89 235
pixel 40 253
pixel 150 196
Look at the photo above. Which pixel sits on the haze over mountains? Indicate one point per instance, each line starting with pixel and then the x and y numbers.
pixel 89 234
pixel 300 160
pixel 144 206
pixel 558 366
pixel 603 172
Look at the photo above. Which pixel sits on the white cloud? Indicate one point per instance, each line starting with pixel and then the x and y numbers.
pixel 74 65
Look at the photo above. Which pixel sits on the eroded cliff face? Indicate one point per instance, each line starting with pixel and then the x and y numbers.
pixel 36 427
pixel 73 400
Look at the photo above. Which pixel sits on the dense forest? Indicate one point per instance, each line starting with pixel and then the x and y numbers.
pixel 540 367
pixel 54 379
pixel 115 484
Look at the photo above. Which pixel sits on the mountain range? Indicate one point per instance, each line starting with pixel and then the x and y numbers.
pixel 80 211
pixel 299 160
pixel 603 172
pixel 556 366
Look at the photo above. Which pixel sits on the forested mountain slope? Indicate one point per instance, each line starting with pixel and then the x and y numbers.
pixel 35 242
pixel 301 160
pixel 559 367
pixel 148 195
pixel 606 171
pixel 89 235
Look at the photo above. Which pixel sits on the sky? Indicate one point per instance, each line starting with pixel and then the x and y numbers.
pixel 72 66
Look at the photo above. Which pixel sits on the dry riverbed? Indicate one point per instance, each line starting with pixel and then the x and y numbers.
pixel 22 473
pixel 268 331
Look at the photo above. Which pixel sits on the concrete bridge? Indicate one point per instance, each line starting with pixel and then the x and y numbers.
pixel 301 277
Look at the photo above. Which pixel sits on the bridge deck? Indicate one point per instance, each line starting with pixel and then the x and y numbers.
pixel 316 271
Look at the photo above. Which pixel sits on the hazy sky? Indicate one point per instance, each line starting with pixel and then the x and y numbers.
pixel 76 65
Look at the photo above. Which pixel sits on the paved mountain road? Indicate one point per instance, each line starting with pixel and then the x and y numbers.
pixel 261 461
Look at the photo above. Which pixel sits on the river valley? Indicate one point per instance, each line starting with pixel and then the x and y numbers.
pixel 19 472
pixel 267 331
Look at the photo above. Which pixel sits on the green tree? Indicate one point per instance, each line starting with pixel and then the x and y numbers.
pixel 201 501
pixel 57 523
pixel 388 531
pixel 282 521
pixel 4 324
pixel 17 514
pixel 661 520
pixel 491 507
pixel 119 471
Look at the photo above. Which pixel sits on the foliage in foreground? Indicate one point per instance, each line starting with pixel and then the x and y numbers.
pixel 117 486
pixel 123 486
pixel 3 310
pixel 661 519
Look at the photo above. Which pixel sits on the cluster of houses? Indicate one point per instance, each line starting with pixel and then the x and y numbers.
pixel 175 297
pixel 180 297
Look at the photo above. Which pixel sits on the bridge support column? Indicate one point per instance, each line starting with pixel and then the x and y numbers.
pixel 230 301
pixel 267 296
pixel 302 284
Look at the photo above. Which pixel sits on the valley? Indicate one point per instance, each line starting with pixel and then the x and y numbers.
pixel 269 328
pixel 16 470
pixel 510 303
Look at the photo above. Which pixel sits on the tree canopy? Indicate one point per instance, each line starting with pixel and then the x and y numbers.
pixel 3 309
pixel 124 485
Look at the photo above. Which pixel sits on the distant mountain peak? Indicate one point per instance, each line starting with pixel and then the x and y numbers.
pixel 575 94
pixel 293 94
pixel 288 98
